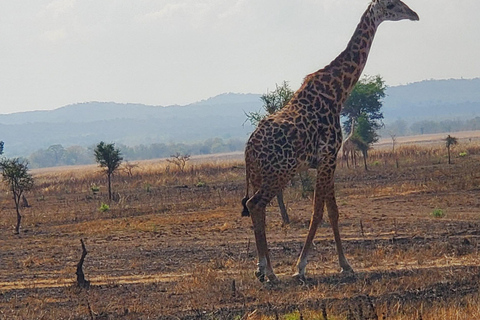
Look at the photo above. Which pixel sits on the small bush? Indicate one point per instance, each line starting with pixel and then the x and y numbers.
pixel 104 207
pixel 463 154
pixel 292 316
pixel 437 213
pixel 307 182
pixel 95 189
pixel 147 187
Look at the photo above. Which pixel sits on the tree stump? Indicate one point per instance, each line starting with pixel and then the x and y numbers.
pixel 81 281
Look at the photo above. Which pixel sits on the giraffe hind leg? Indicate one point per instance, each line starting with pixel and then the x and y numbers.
pixel 257 206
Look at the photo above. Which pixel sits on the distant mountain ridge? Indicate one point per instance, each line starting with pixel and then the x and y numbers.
pixel 433 100
pixel 101 111
pixel 132 124
pixel 222 116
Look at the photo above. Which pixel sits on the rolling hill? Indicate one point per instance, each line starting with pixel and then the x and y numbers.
pixel 222 116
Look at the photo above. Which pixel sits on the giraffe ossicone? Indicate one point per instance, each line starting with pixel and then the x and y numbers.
pixel 306 133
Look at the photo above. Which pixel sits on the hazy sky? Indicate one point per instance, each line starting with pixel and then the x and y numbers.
pixel 162 52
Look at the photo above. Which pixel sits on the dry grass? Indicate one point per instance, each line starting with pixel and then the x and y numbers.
pixel 173 245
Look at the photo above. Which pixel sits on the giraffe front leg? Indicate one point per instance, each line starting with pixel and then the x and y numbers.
pixel 257 213
pixel 333 216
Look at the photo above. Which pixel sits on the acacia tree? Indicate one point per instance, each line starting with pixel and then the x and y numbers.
pixel 179 160
pixel 449 142
pixel 17 179
pixel 272 102
pixel 365 100
pixel 364 106
pixel 109 158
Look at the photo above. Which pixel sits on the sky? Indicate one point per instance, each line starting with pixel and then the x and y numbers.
pixel 164 52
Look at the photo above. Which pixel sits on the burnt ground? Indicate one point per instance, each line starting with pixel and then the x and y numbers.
pixel 182 251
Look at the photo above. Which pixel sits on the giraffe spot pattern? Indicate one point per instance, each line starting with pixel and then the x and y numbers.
pixel 307 133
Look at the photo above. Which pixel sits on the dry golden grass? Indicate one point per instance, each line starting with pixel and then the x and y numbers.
pixel 173 244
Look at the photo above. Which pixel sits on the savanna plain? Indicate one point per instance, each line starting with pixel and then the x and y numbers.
pixel 172 243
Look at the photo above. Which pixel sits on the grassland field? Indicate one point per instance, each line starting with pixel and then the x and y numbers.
pixel 172 244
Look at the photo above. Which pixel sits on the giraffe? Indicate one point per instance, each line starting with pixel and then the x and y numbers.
pixel 348 147
pixel 306 133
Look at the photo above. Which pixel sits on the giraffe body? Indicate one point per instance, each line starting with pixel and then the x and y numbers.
pixel 306 133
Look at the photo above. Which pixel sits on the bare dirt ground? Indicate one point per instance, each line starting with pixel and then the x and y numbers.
pixel 174 246
pixel 429 138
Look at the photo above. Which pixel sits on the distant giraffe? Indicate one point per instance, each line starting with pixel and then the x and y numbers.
pixel 306 133
pixel 348 148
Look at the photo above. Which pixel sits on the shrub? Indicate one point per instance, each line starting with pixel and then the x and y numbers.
pixel 437 213
pixel 104 207
pixel 95 189
pixel 147 187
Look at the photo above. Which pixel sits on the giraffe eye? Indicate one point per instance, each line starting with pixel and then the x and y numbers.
pixel 390 6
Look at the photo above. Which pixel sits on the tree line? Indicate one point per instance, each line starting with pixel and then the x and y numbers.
pixel 402 128
pixel 57 155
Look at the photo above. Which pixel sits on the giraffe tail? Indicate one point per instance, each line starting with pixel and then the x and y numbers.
pixel 245 212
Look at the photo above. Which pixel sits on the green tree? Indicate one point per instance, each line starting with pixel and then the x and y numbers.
pixel 77 155
pixel 365 100
pixel 273 102
pixel 449 142
pixel 364 106
pixel 58 152
pixel 109 158
pixel 17 179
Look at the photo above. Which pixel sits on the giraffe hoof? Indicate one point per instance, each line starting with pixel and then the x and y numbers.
pixel 300 277
pixel 272 279
pixel 260 275
pixel 348 271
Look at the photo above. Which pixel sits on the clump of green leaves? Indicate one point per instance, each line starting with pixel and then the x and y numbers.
pixel 463 154
pixel 437 213
pixel 147 187
pixel 104 207
pixel 95 189
pixel 272 102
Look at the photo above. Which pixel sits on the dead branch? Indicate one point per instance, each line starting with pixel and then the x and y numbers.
pixel 81 281
pixel 180 160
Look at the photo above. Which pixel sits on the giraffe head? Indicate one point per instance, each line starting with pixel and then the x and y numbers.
pixel 392 10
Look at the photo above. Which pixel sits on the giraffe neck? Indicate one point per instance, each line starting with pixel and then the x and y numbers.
pixel 344 71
